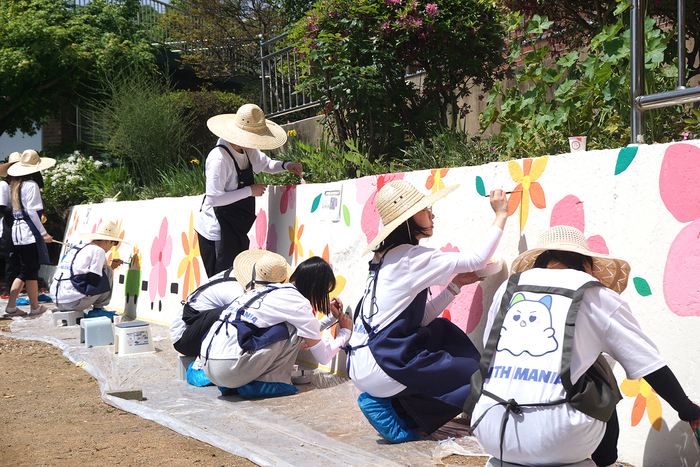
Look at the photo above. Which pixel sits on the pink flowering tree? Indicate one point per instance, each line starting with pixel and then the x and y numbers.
pixel 357 53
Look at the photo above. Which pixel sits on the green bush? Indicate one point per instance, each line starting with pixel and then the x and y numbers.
pixel 147 129
pixel 448 148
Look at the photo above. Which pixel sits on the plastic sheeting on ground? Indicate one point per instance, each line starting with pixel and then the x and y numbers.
pixel 321 425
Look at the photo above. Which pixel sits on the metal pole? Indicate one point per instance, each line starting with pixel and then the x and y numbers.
pixel 262 75
pixel 637 69
pixel 681 44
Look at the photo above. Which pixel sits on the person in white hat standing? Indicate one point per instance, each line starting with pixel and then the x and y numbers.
pixel 29 237
pixel 537 422
pixel 6 247
pixel 228 209
pixel 83 279
pixel 412 367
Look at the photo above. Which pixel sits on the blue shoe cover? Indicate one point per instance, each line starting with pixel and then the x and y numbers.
pixel 100 312
pixel 44 298
pixel 228 391
pixel 197 377
pixel 265 389
pixel 21 301
pixel 382 416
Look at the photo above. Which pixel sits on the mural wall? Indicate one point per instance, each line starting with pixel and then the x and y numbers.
pixel 639 204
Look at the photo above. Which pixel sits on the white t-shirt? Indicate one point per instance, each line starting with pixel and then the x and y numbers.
pixel 406 271
pixel 561 434
pixel 212 297
pixel 285 305
pixel 89 258
pixel 31 200
pixel 5 199
pixel 222 184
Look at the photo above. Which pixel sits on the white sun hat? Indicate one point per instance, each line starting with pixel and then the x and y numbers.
pixel 253 268
pixel 29 163
pixel 248 128
pixel 105 231
pixel 397 202
pixel 11 159
pixel 611 272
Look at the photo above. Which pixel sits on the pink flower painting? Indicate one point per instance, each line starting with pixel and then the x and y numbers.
pixel 265 238
pixel 288 198
pixel 367 189
pixel 161 252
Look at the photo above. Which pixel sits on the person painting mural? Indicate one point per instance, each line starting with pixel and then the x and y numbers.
pixel 412 367
pixel 228 209
pixel 29 237
pixel 552 319
pixel 251 349
pixel 83 279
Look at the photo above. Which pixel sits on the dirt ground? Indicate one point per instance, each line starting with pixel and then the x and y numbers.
pixel 53 415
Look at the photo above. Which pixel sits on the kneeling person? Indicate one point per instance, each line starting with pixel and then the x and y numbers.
pixel 83 279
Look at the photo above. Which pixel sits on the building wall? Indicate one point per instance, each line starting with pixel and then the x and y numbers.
pixel 640 204
pixel 60 129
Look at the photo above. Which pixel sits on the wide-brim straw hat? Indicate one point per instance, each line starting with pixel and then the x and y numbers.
pixel 11 159
pixel 254 268
pixel 105 231
pixel 248 128
pixel 397 202
pixel 611 272
pixel 29 163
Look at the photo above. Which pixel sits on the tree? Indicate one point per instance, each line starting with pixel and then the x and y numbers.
pixel 220 39
pixel 52 52
pixel 575 22
pixel 357 53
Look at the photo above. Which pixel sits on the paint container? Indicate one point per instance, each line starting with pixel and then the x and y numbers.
pixel 577 143
pixel 697 434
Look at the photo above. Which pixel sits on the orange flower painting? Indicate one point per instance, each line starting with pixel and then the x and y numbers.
pixel 645 400
pixel 189 266
pixel 528 188
pixel 434 182
pixel 295 237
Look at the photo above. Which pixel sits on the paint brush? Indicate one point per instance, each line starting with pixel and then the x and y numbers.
pixel 507 192
pixel 61 243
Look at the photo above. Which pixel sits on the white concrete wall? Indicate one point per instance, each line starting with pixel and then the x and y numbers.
pixel 640 204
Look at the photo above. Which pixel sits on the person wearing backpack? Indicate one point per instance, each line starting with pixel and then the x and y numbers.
pixel 544 393
pixel 83 279
pixel 251 349
pixel 228 209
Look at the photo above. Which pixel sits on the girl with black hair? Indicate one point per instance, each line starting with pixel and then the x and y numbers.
pixel 250 350
pixel 412 366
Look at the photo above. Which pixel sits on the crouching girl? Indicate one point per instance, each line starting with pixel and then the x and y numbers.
pixel 252 347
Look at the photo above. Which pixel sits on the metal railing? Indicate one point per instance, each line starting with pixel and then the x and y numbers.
pixel 639 102
pixel 280 70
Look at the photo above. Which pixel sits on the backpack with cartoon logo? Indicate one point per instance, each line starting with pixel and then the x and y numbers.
pixel 536 330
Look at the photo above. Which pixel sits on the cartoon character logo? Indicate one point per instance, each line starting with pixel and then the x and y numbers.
pixel 527 327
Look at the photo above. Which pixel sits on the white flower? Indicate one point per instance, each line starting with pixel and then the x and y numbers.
pixel 71 158
pixel 98 164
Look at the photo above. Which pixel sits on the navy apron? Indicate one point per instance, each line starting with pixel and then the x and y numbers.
pixel 235 219
pixel 80 281
pixel 436 360
pixel 251 337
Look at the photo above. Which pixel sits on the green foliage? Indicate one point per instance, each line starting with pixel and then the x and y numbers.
pixel 356 54
pixel 65 183
pixel 147 128
pixel 448 148
pixel 579 93
pixel 51 52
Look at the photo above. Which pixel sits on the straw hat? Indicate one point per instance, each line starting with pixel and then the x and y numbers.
pixel 611 272
pixel 248 128
pixel 254 268
pixel 11 159
pixel 29 163
pixel 106 231
pixel 397 202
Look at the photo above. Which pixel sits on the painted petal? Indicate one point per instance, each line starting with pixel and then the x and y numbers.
pixel 284 200
pixel 645 388
pixel 369 220
pixel 186 284
pixel 630 388
pixel 195 268
pixel 152 283
pixel 654 411
pixel 183 266
pixel 624 159
pixel 678 181
pixel 514 200
pixel 446 314
pixel 261 228
pixel 640 405
pixel 316 202
pixel 292 248
pixel 443 172
pixel 162 279
pixel 301 231
pixel 568 211
pixel 167 251
pixel 326 255
pixel 340 282
pixel 524 209
pixel 537 195
pixel 538 167
pixel 292 237
pixel 185 243
pixel 516 173
pixel 430 182
pixel 642 286
pixel 346 215
pixel 597 243
pixel 480 186
pixel 156 248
